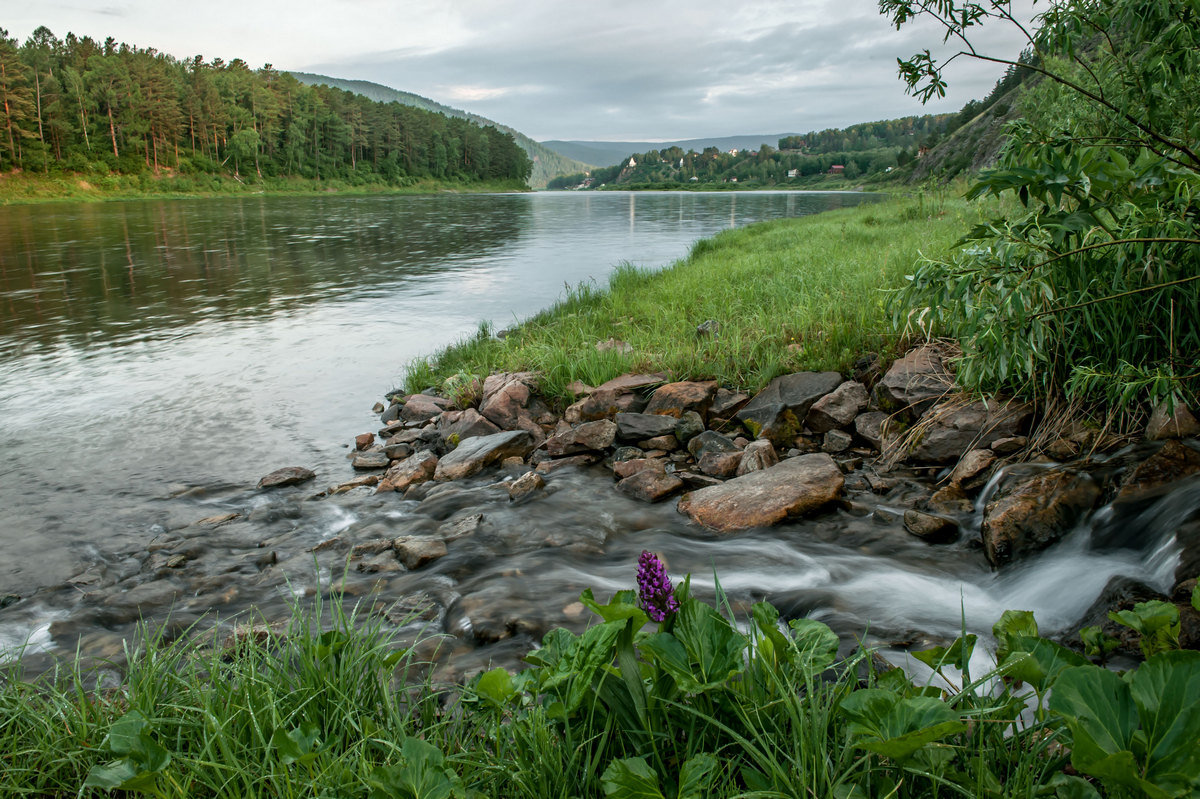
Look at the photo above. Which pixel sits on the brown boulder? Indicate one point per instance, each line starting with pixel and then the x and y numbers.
pixel 632 382
pixel 422 407
pixel 757 456
pixel 370 460
pixel 603 403
pixel 589 436
pixel 415 552
pixel 288 475
pixel 416 468
pixel 650 485
pixel 674 399
pixel 952 429
pixel 792 488
pixel 1038 512
pixel 576 461
pixel 509 398
pixel 364 441
pixel 838 408
pixel 914 383
pixel 720 464
pixel 1180 423
pixel 623 469
pixel 972 470
pixel 474 454
pixel 456 426
pixel 1150 478
pixel 927 527
pixel 525 485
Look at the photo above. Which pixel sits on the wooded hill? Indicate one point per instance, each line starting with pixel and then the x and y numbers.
pixel 82 106
pixel 547 163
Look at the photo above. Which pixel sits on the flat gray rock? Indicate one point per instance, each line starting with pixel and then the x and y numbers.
pixel 474 454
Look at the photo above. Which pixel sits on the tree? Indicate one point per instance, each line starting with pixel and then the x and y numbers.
pixel 1092 290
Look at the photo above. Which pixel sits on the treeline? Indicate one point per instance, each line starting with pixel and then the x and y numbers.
pixel 905 132
pixel 78 105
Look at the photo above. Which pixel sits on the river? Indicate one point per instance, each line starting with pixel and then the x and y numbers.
pixel 158 357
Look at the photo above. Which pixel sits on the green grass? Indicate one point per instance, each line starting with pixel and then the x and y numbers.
pixel 23 188
pixel 787 295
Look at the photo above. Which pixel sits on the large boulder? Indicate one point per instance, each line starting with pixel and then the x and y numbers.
pixel 838 408
pixel 510 402
pixel 603 403
pixel 792 488
pixel 650 485
pixel 1035 514
pixel 1151 478
pixel 416 468
pixel 674 399
pixel 777 412
pixel 587 437
pixel 1179 423
pixel 459 425
pixel 474 454
pixel 423 407
pixel 914 383
pixel 951 430
pixel 640 426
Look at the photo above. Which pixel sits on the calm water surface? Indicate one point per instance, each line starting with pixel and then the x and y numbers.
pixel 151 347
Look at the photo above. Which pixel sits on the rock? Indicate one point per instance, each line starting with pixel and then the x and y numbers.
pixel 952 429
pixel 578 388
pixel 623 469
pixel 218 520
pixel 510 401
pixel 873 427
pixel 667 443
pixel 288 475
pixel 589 436
pixel 474 454
pixel 572 461
pixel 370 460
pixel 364 441
pixel 1060 449
pixel 972 469
pixel 950 499
pixel 837 409
pixel 423 407
pixel 692 480
pixel 1035 514
pixel 792 488
pixel 722 465
pixel 155 594
pixel 603 403
pixel 382 563
pixel 673 399
pixel 626 454
pixel 633 382
pixel 914 383
pixel 640 426
pixel 650 485
pixel 416 468
pixel 777 412
pixel 930 528
pixel 710 441
pixel 397 451
pixel 757 456
pixel 726 402
pixel 1151 478
pixel 836 441
pixel 525 485
pixel 378 408
pixel 457 426
pixel 357 482
pixel 690 425
pixel 1180 423
pixel 391 414
pixel 416 552
pixel 461 527
pixel 1007 446
pixel 866 369
pixel 708 328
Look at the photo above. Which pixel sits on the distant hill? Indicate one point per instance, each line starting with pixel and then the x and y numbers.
pixel 607 153
pixel 547 163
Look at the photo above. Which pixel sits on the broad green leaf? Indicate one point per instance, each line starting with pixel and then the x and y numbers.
pixel 696 775
pixel 1166 691
pixel 665 651
pixel 714 648
pixel 496 686
pixel 1038 661
pixel 816 644
pixel 1066 786
pixel 125 735
pixel 296 745
pixel 422 775
pixel 1099 710
pixel 623 605
pixel 631 778
pixel 957 654
pixel 1013 623
pixel 895 726
pixel 113 775
pixel 1156 621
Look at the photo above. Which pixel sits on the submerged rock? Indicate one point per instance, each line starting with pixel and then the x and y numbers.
pixel 650 484
pixel 587 437
pixel 288 475
pixel 792 488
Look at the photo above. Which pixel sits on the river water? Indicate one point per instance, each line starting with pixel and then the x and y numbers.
pixel 158 357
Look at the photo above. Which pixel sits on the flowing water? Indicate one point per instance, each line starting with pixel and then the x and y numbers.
pixel 157 358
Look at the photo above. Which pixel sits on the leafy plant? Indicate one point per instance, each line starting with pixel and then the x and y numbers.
pixel 1157 623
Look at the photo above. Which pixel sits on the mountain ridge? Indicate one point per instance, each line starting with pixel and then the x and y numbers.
pixel 547 163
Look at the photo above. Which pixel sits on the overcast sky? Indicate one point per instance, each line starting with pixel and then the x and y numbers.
pixel 584 69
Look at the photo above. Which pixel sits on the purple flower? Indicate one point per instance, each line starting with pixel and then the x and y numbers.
pixel 654 587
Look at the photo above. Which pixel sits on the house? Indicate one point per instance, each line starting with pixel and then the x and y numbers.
pixel 734 151
pixel 793 173
pixel 632 163
pixel 837 169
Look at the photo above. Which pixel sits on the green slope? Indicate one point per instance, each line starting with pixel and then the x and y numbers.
pixel 547 164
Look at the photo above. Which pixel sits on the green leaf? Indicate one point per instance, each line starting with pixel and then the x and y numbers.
pixel 714 648
pixel 957 654
pixel 816 644
pixel 1099 710
pixel 1038 661
pixel 1066 786
pixel 113 775
pixel 125 734
pixel 895 726
pixel 623 605
pixel 696 776
pixel 422 775
pixel 296 745
pixel 631 778
pixel 665 651
pixel 1013 623
pixel 1156 621
pixel 1166 691
pixel 496 686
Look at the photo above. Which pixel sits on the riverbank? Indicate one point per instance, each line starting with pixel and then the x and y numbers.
pixel 743 307
pixel 26 188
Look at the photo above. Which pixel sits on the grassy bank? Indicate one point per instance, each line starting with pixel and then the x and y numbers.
pixel 699 705
pixel 21 188
pixel 794 294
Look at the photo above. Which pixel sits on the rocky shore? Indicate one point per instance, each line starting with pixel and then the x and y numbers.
pixel 458 501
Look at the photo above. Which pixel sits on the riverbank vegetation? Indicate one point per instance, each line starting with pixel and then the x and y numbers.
pixel 701 703
pixel 808 293
pixel 100 113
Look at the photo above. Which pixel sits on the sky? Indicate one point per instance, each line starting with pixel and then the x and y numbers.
pixel 613 70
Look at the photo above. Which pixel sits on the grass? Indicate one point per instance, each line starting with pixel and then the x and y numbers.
pixel 787 295
pixel 24 188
